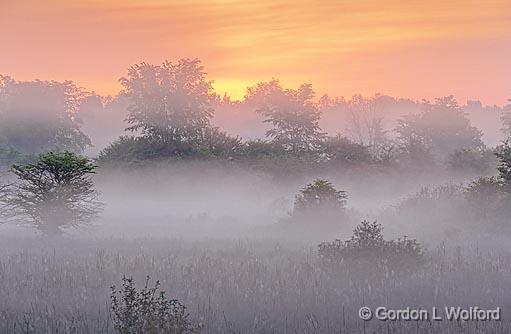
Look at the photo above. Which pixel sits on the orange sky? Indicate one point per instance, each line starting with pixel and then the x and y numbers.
pixel 402 48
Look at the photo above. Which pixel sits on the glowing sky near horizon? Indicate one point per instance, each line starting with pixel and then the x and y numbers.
pixel 408 48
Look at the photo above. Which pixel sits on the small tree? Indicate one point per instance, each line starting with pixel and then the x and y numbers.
pixel 319 202
pixel 320 195
pixel 147 310
pixel 53 193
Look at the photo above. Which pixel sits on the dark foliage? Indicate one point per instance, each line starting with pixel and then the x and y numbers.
pixel 147 310
pixel 321 203
pixel 368 247
pixel 210 143
pixel 504 168
pixel 339 150
pixel 53 193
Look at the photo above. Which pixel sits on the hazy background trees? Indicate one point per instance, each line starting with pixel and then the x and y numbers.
pixel 292 113
pixel 169 102
pixel 37 116
pixel 441 128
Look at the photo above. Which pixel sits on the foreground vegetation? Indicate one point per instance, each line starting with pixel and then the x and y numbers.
pixel 239 287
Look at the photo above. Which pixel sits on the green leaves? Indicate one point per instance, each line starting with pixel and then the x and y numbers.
pixel 53 193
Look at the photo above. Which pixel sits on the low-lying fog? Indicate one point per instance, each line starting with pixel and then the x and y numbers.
pixel 201 200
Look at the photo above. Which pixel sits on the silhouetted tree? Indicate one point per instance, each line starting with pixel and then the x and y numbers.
pixel 170 102
pixel 292 113
pixel 38 116
pixel 441 128
pixel 53 193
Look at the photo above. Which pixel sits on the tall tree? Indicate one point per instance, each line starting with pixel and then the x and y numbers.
pixel 365 118
pixel 441 128
pixel 292 113
pixel 37 116
pixel 170 102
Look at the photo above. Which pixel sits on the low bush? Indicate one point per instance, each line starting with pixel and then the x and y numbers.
pixel 147 310
pixel 368 247
pixel 319 201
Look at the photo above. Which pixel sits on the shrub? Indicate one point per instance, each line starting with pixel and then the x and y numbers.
pixel 213 143
pixel 367 244
pixel 147 310
pixel 320 202
pixel 135 150
pixel 320 195
pixel 210 143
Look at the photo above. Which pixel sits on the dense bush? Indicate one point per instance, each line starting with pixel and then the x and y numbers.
pixel 341 150
pixel 368 245
pixel 211 144
pixel 147 310
pixel 320 202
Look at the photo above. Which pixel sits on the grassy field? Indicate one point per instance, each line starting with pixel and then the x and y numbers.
pixel 240 286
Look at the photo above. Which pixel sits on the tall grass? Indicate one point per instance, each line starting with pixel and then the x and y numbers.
pixel 233 286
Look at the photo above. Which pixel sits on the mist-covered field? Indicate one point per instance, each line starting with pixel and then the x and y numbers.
pixel 169 209
pixel 240 286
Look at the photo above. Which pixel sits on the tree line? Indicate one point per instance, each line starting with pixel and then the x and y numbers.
pixel 169 112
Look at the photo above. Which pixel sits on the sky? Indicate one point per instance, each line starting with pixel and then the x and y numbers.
pixel 412 49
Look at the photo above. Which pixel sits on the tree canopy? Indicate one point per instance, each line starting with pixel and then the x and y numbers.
pixel 292 113
pixel 53 193
pixel 169 102
pixel 441 128
pixel 38 116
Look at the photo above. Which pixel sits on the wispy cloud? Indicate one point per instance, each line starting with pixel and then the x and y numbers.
pixel 338 45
